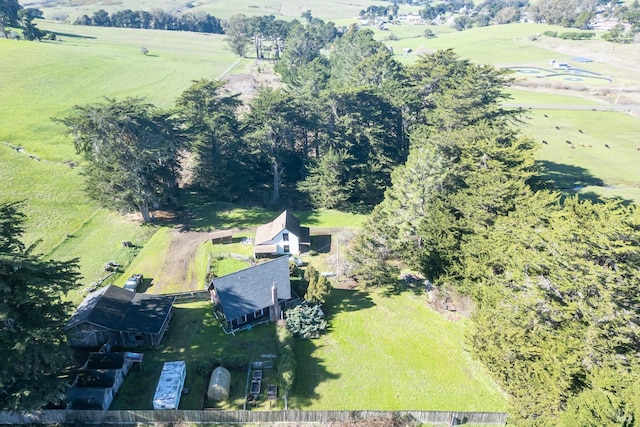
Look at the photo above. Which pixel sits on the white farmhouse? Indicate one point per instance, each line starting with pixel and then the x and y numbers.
pixel 281 236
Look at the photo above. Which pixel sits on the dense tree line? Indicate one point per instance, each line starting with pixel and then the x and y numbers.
pixel 156 19
pixel 555 282
pixel 330 139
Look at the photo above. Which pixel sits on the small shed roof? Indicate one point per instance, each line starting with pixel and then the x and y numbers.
pixel 249 290
pixel 221 234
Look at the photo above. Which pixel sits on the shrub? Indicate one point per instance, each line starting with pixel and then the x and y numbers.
pixel 306 321
pixel 550 33
pixel 287 358
pixel 576 35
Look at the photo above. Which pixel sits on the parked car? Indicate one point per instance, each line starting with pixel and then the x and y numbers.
pixel 297 261
pixel 133 282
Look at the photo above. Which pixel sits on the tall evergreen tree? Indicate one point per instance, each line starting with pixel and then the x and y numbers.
pixel 32 319
pixel 211 124
pixel 132 151
pixel 270 127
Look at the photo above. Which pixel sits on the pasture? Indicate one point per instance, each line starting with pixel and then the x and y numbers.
pixel 45 80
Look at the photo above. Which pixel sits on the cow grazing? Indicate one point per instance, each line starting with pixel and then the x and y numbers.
pixel 545 142
pixel 558 127
pixel 607 145
pixel 580 130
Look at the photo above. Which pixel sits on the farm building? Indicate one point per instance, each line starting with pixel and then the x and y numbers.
pixel 121 318
pixel 255 294
pixel 98 381
pixel 283 235
pixel 170 385
pixel 219 384
pixel 223 236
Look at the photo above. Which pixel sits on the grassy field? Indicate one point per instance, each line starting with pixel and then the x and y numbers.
pixel 45 80
pixel 384 353
pixel 391 353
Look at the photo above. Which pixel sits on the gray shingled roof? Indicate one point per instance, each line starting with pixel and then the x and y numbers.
pixel 249 290
pixel 117 309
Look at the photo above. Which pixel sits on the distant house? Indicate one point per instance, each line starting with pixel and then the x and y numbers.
pixel 283 235
pixel 121 318
pixel 253 295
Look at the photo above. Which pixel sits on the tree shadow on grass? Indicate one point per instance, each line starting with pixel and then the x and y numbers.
pixel 345 300
pixel 570 180
pixel 311 372
pixel 400 286
pixel 205 213
pixel 567 177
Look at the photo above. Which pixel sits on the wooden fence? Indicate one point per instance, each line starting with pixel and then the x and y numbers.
pixel 246 417
pixel 190 296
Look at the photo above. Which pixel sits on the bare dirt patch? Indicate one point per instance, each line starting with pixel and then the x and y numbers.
pixel 176 267
pixel 259 73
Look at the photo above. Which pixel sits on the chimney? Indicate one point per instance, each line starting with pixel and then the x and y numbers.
pixel 275 307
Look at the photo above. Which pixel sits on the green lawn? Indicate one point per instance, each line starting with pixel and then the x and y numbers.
pixel 391 353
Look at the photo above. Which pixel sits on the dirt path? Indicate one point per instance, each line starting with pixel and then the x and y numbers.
pixel 175 274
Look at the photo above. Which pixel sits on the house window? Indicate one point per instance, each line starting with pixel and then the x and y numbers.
pixel 286 249
pixel 285 237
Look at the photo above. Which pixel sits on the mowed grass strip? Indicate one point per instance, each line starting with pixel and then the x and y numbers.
pixel 391 353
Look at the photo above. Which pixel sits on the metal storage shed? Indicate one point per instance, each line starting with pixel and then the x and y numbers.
pixel 219 384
